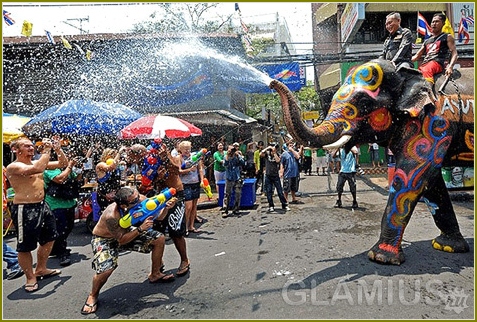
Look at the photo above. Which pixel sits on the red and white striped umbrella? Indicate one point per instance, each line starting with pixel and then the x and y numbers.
pixel 159 126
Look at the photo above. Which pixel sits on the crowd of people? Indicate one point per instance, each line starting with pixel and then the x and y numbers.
pixel 46 179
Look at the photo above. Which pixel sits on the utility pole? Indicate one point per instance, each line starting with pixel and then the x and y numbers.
pixel 80 28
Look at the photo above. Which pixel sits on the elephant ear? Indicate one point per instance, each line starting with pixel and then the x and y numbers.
pixel 416 92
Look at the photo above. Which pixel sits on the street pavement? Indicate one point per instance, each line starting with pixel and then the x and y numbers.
pixel 307 263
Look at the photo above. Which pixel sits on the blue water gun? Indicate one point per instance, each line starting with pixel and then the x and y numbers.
pixel 148 207
pixel 194 159
pixel 152 162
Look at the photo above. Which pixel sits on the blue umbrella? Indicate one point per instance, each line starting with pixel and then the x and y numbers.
pixel 81 117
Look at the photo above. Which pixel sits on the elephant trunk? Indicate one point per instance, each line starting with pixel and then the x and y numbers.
pixel 313 137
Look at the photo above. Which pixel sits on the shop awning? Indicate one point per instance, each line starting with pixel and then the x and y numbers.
pixel 215 117
pixel 326 11
pixel 330 77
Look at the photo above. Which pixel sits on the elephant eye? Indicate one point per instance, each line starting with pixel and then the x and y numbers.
pixel 367 107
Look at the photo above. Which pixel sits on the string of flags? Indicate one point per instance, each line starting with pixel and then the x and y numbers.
pixel 245 36
pixel 27 30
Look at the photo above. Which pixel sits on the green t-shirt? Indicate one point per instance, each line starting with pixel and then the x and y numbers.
pixel 307 152
pixel 320 153
pixel 57 203
pixel 218 161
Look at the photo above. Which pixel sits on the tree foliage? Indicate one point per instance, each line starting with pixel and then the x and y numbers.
pixel 185 17
pixel 307 98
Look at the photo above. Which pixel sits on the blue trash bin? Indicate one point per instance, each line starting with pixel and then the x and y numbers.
pixel 248 193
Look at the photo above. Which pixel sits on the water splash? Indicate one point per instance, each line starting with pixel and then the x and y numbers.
pixel 135 73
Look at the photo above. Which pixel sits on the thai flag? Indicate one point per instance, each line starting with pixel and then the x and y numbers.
pixel 6 17
pixel 50 38
pixel 423 28
pixel 470 20
pixel 464 31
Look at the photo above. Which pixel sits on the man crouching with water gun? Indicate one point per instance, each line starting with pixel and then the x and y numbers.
pixel 109 237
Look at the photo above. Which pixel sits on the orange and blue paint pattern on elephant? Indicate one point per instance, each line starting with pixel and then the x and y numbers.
pixel 341 119
pixel 460 110
pixel 380 120
pixel 366 78
pixel 469 143
pixel 426 146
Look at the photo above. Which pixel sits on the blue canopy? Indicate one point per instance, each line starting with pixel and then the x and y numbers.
pixel 82 117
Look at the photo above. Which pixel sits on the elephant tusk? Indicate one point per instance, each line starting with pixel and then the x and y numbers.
pixel 338 144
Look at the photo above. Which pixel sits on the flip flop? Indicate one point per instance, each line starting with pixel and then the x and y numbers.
pixel 30 288
pixel 93 308
pixel 181 271
pixel 15 274
pixel 164 279
pixel 52 273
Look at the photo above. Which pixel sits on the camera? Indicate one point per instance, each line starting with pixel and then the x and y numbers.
pixel 80 159
pixel 273 145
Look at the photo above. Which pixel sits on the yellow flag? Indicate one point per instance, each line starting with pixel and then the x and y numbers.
pixel 89 53
pixel 27 28
pixel 447 28
pixel 66 43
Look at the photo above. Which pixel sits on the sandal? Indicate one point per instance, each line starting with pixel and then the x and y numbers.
pixel 51 273
pixel 181 271
pixel 92 308
pixel 30 288
pixel 164 279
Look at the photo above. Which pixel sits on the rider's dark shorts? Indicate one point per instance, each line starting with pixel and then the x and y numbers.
pixel 35 224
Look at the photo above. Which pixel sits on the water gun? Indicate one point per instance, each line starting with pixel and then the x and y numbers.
pixel 194 159
pixel 152 162
pixel 148 207
pixel 206 186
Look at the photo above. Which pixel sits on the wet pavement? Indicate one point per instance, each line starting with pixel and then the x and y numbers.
pixel 307 263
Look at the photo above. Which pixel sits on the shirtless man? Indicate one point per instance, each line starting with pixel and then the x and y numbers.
pixel 108 236
pixel 34 221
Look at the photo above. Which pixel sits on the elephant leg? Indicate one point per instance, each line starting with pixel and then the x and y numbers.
pixel 388 249
pixel 403 197
pixel 438 200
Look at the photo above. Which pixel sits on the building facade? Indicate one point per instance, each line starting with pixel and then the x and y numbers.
pixel 353 33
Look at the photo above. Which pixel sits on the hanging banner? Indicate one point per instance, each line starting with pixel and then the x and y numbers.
pixel 192 87
pixel 289 74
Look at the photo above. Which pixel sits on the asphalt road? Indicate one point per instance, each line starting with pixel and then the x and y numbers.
pixel 308 263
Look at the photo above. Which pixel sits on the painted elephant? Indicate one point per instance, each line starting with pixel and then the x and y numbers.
pixel 399 109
